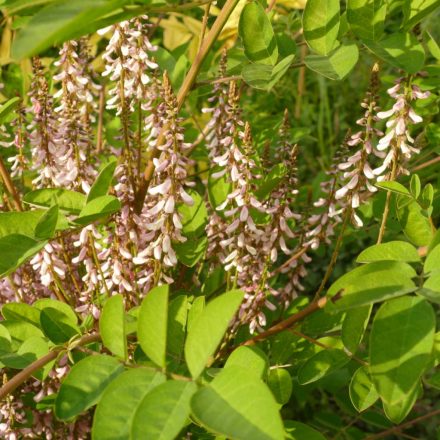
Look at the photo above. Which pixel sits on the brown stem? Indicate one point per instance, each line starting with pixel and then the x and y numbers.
pixel 386 210
pixel 10 185
pixel 292 258
pixel 427 164
pixel 284 325
pixel 405 425
pixel 26 373
pixel 335 254
pixel 301 84
pixel 187 84
pixel 100 128
pixel 271 6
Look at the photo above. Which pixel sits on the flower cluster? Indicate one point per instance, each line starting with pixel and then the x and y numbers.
pixel 398 143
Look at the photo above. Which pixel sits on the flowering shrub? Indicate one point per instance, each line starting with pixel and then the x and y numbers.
pixel 207 236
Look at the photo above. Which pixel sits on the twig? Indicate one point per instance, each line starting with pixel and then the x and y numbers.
pixel 403 425
pixel 99 130
pixel 335 254
pixel 427 164
pixel 10 185
pixel 387 203
pixel 26 373
pixel 188 82
pixel 284 325
pixel 271 6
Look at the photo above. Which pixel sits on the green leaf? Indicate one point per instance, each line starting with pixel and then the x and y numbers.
pixel 16 249
pixel 67 200
pixel 32 349
pixel 102 183
pixel 255 29
pixel 43 303
pixel 21 312
pixel 98 208
pixel 152 324
pixel 46 226
pixel 218 190
pixel 367 18
pixel 208 329
pixel 371 283
pixel 353 327
pixel 197 307
pixel 337 64
pixel 264 77
pixel 415 186
pixel 280 383
pixel 362 391
pixel 271 180
pixel 239 406
pixel 395 187
pixel 415 224
pixel 116 409
pixel 251 358
pixel 391 251
pixel 57 326
pixel 163 411
pixel 84 385
pixel 112 326
pixel 398 411
pixel 321 364
pixel 176 332
pixel 191 251
pixel 415 10
pixel 58 22
pixel 300 431
pixel 24 223
pixel 432 262
pixel 401 341
pixel 321 24
pixel 401 50
pixel 20 331
pixel 194 217
pixel 8 107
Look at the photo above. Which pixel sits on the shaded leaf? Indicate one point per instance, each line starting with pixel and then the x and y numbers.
pixel 401 341
pixel 152 324
pixel 84 385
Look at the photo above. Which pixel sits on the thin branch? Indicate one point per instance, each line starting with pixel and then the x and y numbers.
pixel 427 164
pixel 335 254
pixel 10 185
pixel 405 425
pixel 271 6
pixel 26 373
pixel 186 87
pixel 290 321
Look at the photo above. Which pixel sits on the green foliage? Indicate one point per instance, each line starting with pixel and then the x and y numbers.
pixel 238 405
pixel 207 330
pixel 321 25
pixel 85 384
pixel 112 326
pixel 260 45
pixel 400 353
pixel 152 332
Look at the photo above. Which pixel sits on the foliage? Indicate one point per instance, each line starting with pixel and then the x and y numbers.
pixel 204 235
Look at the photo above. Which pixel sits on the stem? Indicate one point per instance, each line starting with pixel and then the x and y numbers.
pixel 387 202
pixel 99 133
pixel 188 82
pixel 334 255
pixel 26 373
pixel 427 164
pixel 284 325
pixel 10 185
pixel 271 6
pixel 403 425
